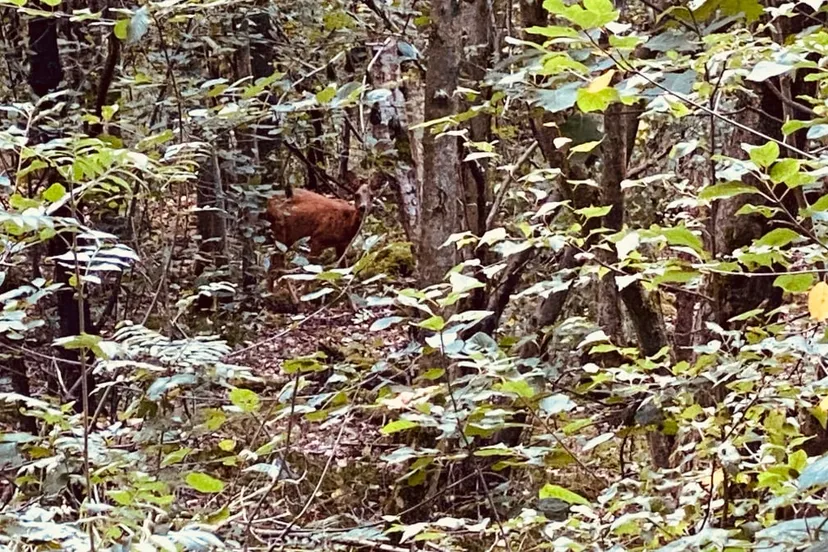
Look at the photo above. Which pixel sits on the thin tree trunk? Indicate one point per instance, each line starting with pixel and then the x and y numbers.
pixel 645 316
pixel 211 216
pixel 389 126
pixel 476 20
pixel 243 65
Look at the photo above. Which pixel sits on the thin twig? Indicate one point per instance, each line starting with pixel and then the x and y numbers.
pixel 322 476
pixel 285 453
pixel 790 102
pixel 504 185
pixel 625 65
pixel 84 368
pixel 470 450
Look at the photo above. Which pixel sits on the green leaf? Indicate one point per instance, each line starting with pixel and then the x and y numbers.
pixel 214 418
pixel 592 212
pixel 780 237
pixel 83 341
pixel 435 323
pixel 108 111
pixel 433 374
pixel 397 425
pixel 586 147
pixel 304 364
pixel 819 205
pixel 799 179
pixel 494 450
pixel 519 387
pixel 175 457
pixel 204 483
pixel 792 126
pixel 603 10
pixel 122 29
pixel 764 210
pixel 555 491
pixel 595 101
pixel 54 193
pixel 334 20
pixel 123 498
pixel 21 203
pixel 783 170
pixel 326 95
pixel 681 236
pixel 798 460
pixel 245 399
pixel 553 31
pixel 726 190
pixel 555 7
pixel 594 13
pixel 36 164
pixel 555 64
pixel 764 156
pixel 752 9
pixel 625 42
pixel 795 283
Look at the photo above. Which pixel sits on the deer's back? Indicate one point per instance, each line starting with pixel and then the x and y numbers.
pixel 327 221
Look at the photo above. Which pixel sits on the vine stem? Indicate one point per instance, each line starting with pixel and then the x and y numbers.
pixel 84 368
pixel 266 494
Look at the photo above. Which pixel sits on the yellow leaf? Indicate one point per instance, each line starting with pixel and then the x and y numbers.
pixel 818 302
pixel 718 478
pixel 601 82
pixel 823 404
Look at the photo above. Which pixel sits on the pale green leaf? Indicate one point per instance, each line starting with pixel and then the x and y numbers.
pixel 556 491
pixel 204 483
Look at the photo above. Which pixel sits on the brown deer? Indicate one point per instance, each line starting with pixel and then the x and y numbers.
pixel 326 221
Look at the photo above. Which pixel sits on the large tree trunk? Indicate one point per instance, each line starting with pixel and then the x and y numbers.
pixel 549 309
pixel 733 295
pixel 44 60
pixel 442 193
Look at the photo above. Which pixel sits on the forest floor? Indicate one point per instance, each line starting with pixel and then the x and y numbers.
pixel 329 457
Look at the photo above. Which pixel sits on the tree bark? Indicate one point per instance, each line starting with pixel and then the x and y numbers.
pixel 645 316
pixel 212 226
pixel 614 152
pixel 390 129
pixel 442 192
pixel 476 20
pixel 46 71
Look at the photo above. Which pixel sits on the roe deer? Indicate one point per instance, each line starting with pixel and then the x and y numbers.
pixel 326 221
